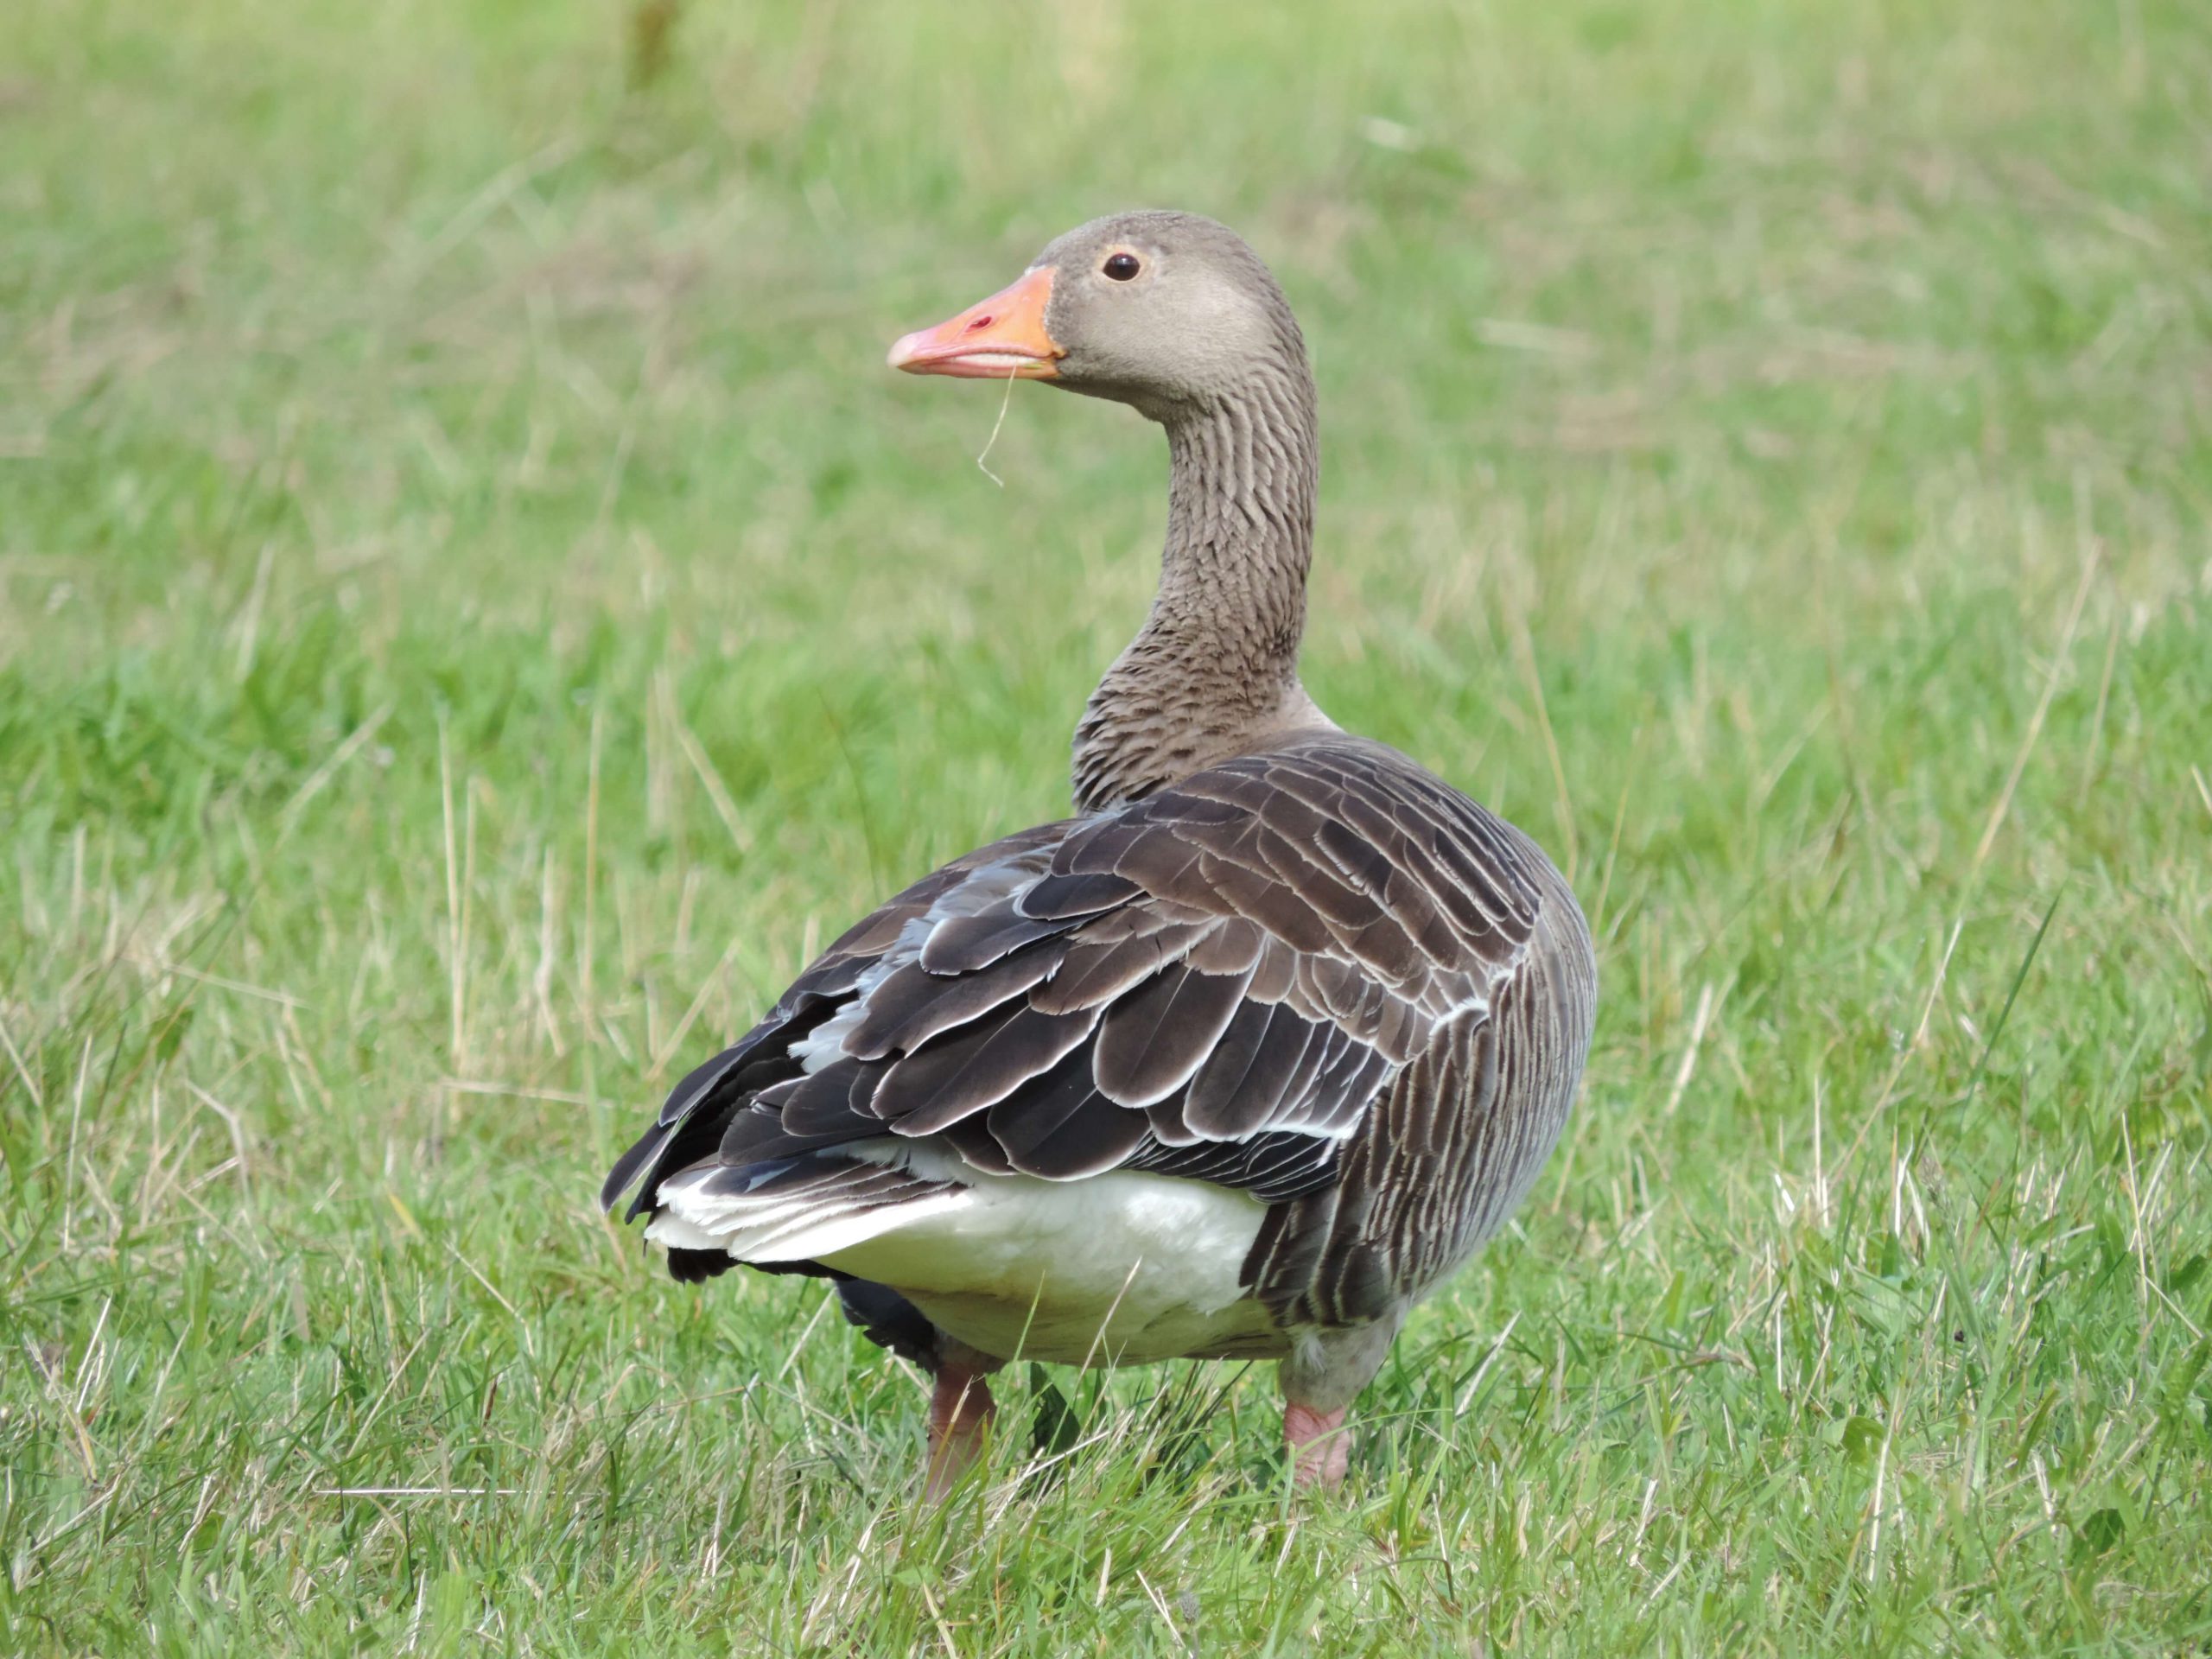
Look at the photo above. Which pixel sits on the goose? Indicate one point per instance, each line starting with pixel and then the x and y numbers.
pixel 1240 1061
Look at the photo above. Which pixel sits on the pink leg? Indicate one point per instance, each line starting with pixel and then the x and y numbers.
pixel 1318 1443
pixel 960 1416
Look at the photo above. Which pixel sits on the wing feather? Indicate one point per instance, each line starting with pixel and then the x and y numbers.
pixel 976 1067
pixel 1152 1040
pixel 912 1004
pixel 1096 974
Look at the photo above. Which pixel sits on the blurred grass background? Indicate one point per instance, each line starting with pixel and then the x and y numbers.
pixel 475 613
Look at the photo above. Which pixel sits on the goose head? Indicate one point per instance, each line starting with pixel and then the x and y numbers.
pixel 1168 313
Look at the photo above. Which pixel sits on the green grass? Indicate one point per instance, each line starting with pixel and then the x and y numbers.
pixel 474 613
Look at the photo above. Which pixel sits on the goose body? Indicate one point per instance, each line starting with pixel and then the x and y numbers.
pixel 1242 1060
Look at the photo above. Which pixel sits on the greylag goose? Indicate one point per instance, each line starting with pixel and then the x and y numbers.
pixel 1242 1060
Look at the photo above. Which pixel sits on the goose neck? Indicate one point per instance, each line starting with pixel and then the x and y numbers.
pixel 1214 669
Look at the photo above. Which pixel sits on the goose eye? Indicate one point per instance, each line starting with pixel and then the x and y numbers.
pixel 1123 267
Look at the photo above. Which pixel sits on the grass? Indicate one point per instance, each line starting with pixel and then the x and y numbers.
pixel 474 614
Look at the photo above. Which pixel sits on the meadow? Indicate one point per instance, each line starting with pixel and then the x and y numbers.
pixel 476 613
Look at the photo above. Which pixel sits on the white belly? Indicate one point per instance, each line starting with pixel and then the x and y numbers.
pixel 1120 1268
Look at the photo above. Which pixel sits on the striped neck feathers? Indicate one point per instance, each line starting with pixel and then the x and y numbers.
pixel 1214 670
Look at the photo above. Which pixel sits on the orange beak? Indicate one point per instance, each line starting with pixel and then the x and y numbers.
pixel 1002 338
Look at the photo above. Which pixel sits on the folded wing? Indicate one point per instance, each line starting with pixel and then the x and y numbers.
pixel 1222 982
